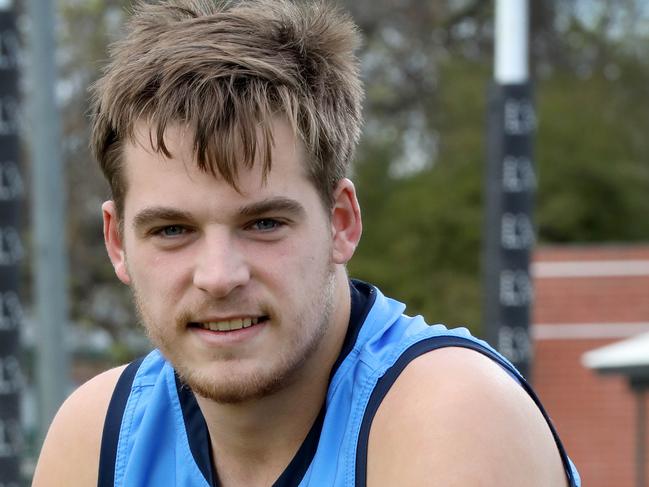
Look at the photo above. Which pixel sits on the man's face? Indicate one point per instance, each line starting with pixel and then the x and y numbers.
pixel 235 288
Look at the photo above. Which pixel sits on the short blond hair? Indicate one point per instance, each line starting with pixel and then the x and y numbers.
pixel 225 70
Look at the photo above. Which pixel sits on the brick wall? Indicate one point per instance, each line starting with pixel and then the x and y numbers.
pixel 597 296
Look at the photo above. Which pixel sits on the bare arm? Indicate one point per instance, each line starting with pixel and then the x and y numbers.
pixel 455 418
pixel 70 453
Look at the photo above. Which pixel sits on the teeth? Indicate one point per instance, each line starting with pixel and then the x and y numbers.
pixel 229 325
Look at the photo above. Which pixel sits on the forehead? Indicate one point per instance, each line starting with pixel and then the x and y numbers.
pixel 149 174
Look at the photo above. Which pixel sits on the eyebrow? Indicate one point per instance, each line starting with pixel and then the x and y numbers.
pixel 157 213
pixel 269 205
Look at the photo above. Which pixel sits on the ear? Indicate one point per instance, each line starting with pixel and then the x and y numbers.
pixel 346 224
pixel 113 241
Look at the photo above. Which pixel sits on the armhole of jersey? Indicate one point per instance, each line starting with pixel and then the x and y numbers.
pixel 387 380
pixel 113 423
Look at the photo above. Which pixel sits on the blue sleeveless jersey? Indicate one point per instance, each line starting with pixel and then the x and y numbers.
pixel 155 435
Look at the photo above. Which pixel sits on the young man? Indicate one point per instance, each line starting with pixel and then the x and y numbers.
pixel 225 133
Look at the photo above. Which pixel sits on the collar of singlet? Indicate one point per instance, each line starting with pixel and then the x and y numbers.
pixel 363 296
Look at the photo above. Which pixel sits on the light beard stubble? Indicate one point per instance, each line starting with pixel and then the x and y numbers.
pixel 260 383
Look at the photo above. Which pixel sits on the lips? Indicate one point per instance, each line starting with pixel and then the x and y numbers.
pixel 228 325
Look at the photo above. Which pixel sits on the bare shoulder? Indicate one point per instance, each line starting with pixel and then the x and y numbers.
pixel 70 453
pixel 454 417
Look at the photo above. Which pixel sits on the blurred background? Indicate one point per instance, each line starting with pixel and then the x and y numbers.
pixel 419 171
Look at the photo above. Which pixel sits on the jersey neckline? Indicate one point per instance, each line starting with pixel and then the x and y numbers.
pixel 363 296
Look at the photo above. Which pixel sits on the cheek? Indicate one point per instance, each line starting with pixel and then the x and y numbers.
pixel 285 271
pixel 159 275
pixel 299 258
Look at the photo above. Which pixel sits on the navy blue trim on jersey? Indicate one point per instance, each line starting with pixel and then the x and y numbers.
pixel 363 296
pixel 113 424
pixel 294 473
pixel 385 383
pixel 197 433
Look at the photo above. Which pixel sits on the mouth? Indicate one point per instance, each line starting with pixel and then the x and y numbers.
pixel 228 325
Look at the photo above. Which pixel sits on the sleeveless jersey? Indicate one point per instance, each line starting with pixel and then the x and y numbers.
pixel 155 434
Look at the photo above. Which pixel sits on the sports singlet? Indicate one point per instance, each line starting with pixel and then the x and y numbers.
pixel 155 434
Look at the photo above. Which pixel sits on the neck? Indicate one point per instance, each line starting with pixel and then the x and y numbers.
pixel 271 429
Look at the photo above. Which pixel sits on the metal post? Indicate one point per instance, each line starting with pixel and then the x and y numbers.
pixel 641 437
pixel 509 189
pixel 49 263
pixel 512 40
pixel 11 251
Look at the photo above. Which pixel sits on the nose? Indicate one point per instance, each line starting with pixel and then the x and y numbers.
pixel 220 267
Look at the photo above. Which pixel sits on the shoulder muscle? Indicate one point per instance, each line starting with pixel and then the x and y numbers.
pixel 70 453
pixel 454 417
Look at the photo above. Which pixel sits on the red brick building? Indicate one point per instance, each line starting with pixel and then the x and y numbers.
pixel 586 298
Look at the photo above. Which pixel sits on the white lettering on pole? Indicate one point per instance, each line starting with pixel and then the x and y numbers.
pixel 11 311
pixel 514 343
pixel 11 248
pixel 10 438
pixel 11 182
pixel 518 174
pixel 517 231
pixel 515 288
pixel 9 113
pixel 10 376
pixel 519 117
pixel 9 49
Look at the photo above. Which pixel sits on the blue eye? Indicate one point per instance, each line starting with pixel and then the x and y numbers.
pixel 171 231
pixel 266 225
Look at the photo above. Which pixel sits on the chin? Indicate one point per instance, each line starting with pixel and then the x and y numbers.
pixel 236 388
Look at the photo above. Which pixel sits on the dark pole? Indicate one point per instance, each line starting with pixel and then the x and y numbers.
pixel 639 387
pixel 642 437
pixel 11 252
pixel 509 191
